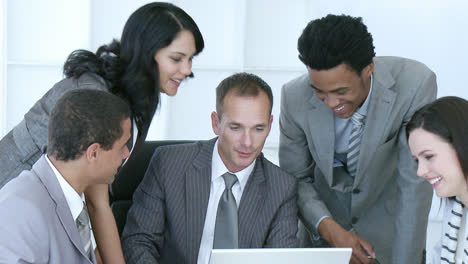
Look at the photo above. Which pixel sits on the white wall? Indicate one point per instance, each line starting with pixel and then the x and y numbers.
pixel 258 36
pixel 39 37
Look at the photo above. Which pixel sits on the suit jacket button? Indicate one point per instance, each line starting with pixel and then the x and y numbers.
pixel 356 191
pixel 354 220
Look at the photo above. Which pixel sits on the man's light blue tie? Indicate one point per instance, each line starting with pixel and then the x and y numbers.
pixel 82 223
pixel 354 144
pixel 226 227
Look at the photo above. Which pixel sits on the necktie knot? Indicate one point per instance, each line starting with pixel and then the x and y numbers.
pixel 83 217
pixel 229 179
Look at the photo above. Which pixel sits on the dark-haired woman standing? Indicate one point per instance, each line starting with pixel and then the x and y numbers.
pixel 153 56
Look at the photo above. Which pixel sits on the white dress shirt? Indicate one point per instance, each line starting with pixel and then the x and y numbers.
pixel 74 200
pixel 216 190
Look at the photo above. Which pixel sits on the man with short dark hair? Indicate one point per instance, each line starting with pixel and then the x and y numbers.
pixel 220 193
pixel 342 131
pixel 43 215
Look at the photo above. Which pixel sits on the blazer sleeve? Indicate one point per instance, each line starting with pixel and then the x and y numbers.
pixel 143 235
pixel 296 159
pixel 415 193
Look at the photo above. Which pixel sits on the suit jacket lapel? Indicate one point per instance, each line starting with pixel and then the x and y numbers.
pixel 251 202
pixel 198 182
pixel 322 130
pixel 47 177
pixel 381 104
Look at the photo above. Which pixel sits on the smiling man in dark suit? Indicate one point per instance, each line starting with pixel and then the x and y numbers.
pixel 178 212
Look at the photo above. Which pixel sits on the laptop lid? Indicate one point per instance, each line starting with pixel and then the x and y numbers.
pixel 281 256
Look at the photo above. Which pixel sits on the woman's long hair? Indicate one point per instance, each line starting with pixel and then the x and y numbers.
pixel 129 65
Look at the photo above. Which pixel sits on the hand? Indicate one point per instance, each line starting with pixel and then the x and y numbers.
pixel 338 237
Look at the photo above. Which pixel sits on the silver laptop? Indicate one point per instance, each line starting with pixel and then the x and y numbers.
pixel 281 256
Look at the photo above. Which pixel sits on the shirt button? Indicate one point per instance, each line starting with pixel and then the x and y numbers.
pixel 356 191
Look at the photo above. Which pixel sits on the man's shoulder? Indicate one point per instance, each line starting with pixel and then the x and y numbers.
pixel 395 60
pixel 180 155
pixel 404 76
pixel 26 195
pixel 297 94
pixel 187 148
pixel 26 213
pixel 298 83
pixel 27 182
pixel 402 67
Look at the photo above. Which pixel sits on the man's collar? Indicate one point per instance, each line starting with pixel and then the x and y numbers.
pixel 74 200
pixel 218 168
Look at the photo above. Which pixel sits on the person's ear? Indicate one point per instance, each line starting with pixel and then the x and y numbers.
pixel 215 122
pixel 92 152
pixel 368 70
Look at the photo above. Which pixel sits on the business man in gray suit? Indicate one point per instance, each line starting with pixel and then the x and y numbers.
pixel 177 214
pixel 43 217
pixel 342 131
